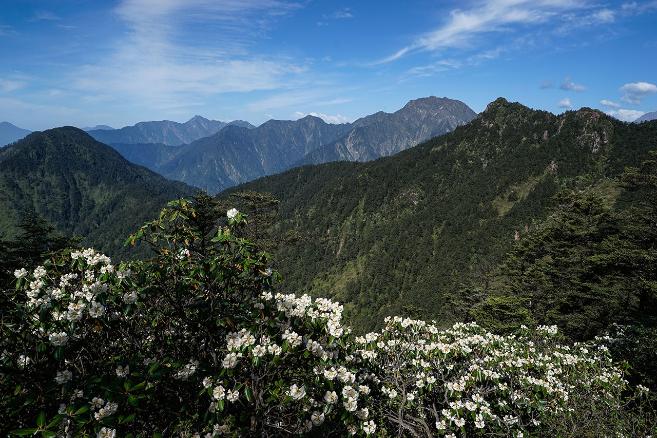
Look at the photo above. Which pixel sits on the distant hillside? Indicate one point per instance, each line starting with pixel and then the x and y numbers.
pixel 383 134
pixel 10 133
pixel 98 128
pixel 165 132
pixel 81 186
pixel 235 155
pixel 647 117
pixel 405 234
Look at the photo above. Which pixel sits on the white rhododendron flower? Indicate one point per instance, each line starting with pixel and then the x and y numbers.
pixel 58 339
pixel 230 214
pixel 297 392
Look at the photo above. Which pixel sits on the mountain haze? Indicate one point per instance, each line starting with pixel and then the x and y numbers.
pixel 235 155
pixel 409 234
pixel 165 131
pixel 81 186
pixel 647 117
pixel 10 133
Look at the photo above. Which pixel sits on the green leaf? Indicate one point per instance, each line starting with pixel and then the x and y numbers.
pixel 48 433
pixel 80 411
pixel 249 394
pixel 41 419
pixel 24 432
pixel 56 420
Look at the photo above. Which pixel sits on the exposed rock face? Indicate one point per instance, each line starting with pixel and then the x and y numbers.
pixel 385 134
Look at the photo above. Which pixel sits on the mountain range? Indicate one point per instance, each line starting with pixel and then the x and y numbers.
pixel 236 154
pixel 10 133
pixel 647 117
pixel 98 128
pixel 417 232
pixel 165 131
pixel 81 186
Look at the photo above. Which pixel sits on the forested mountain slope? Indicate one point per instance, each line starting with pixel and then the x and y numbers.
pixel 81 186
pixel 413 233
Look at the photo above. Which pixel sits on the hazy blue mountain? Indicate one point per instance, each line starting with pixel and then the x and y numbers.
pixel 98 128
pixel 81 186
pixel 165 132
pixel 150 155
pixel 384 134
pixel 10 133
pixel 235 155
pixel 647 117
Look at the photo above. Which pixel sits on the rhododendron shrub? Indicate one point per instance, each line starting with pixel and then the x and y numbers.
pixel 197 341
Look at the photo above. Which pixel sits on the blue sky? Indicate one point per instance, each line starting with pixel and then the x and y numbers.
pixel 83 62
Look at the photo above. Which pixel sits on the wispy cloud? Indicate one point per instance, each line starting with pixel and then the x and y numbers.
pixel 634 92
pixel 159 62
pixel 341 14
pixel 9 85
pixel 545 85
pixel 565 103
pixel 609 103
pixel 639 7
pixel 328 118
pixel 6 30
pixel 45 16
pixel 447 64
pixel 488 16
pixel 569 85
pixel 626 115
pixel 296 98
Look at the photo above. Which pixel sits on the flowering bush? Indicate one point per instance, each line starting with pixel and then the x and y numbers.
pixel 196 341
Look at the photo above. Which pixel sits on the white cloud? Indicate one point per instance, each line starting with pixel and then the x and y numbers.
pixel 342 14
pixel 9 85
pixel 636 91
pixel 486 17
pixel 328 118
pixel 569 85
pixel 165 60
pixel 295 98
pixel 45 16
pixel 6 30
pixel 609 103
pixel 565 103
pixel 626 115
pixel 639 7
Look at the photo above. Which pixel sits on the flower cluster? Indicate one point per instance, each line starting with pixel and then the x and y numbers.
pixel 200 342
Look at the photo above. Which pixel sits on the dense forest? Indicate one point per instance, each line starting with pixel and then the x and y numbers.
pixel 523 241
pixel 81 187
pixel 422 233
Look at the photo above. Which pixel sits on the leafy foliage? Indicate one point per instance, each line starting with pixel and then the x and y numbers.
pixel 195 341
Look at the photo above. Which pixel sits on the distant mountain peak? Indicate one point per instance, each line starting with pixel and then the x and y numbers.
pixel 498 104
pixel 647 117
pixel 197 118
pixel 9 133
